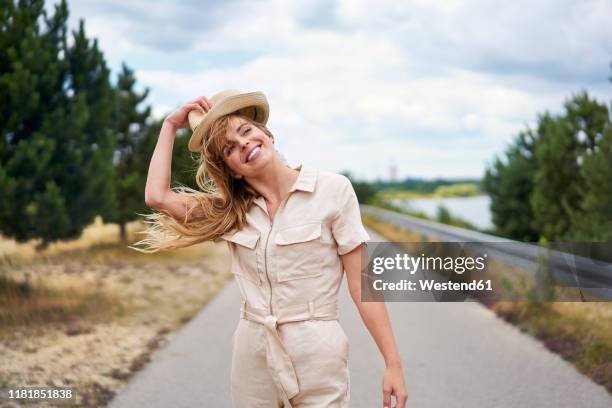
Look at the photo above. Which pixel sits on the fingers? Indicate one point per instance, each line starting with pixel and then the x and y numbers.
pixel 386 397
pixel 203 102
pixel 207 102
pixel 194 106
pixel 401 399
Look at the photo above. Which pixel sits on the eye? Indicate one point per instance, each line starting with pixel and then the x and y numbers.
pixel 247 131
pixel 228 150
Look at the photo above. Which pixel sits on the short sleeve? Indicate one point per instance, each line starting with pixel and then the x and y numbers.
pixel 347 228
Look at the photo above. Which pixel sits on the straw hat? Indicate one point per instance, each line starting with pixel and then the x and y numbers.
pixel 251 104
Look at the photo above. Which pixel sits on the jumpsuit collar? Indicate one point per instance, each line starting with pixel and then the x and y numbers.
pixel 306 181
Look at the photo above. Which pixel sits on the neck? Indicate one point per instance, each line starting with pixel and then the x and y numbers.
pixel 275 181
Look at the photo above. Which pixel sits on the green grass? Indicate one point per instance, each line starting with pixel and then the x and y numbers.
pixel 453 190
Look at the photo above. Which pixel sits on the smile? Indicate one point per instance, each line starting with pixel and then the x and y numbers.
pixel 253 154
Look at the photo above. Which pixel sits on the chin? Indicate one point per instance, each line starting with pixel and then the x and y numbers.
pixel 260 163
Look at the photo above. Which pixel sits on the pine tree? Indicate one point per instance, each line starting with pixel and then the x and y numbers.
pixel 559 185
pixel 593 221
pixel 130 127
pixel 184 163
pixel 92 185
pixel 55 150
pixel 510 185
pixel 31 76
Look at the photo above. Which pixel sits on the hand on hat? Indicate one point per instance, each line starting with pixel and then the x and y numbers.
pixel 178 118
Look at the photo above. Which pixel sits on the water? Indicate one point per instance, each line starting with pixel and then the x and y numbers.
pixel 474 210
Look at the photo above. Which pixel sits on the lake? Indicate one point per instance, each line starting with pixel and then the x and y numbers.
pixel 474 210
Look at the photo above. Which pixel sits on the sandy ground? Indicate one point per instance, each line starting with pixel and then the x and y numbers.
pixel 98 355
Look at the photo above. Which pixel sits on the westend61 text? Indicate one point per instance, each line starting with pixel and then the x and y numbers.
pixel 433 285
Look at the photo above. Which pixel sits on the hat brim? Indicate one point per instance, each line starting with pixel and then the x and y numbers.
pixel 254 105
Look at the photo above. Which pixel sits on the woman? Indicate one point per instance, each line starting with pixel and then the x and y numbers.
pixel 291 233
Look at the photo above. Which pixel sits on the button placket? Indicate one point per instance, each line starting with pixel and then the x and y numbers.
pixel 277 214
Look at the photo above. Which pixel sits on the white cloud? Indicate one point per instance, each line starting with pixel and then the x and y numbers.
pixel 437 87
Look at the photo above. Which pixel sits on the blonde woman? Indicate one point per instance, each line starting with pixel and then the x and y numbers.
pixel 292 232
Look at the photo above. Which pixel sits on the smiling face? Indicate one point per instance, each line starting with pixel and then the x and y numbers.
pixel 247 148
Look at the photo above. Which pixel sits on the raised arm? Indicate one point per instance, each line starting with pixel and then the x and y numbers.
pixel 158 194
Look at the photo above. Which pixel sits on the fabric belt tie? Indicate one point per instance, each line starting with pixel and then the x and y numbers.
pixel 278 361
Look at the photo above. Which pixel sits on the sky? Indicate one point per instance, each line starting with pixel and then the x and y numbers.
pixel 434 89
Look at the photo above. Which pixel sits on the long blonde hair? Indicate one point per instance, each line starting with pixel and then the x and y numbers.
pixel 222 200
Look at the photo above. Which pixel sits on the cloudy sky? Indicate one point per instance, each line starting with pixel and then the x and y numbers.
pixel 434 88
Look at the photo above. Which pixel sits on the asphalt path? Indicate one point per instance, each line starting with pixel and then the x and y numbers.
pixel 454 354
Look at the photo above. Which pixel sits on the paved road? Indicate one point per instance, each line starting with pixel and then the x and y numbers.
pixel 454 354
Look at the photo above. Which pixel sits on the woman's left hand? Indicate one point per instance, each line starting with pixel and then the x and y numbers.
pixel 393 384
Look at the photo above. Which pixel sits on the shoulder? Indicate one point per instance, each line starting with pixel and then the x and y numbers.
pixel 328 179
pixel 335 187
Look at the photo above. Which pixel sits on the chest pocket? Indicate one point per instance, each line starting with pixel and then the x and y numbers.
pixel 246 259
pixel 298 252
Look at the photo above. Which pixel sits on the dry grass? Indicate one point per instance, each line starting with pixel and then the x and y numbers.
pixel 97 233
pixel 581 332
pixel 41 302
pixel 98 241
pixel 89 313
pixel 390 231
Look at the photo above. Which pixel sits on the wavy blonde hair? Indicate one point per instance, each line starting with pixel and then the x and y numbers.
pixel 222 199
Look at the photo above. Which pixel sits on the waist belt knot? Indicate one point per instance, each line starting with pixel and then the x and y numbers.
pixel 270 322
pixel 278 360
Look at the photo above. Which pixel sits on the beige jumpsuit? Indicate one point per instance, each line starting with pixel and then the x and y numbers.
pixel 288 349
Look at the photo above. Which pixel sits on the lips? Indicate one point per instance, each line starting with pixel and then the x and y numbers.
pixel 252 153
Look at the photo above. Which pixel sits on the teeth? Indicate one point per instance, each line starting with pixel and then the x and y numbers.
pixel 255 150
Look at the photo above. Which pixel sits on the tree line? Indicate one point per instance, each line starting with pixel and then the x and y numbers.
pixel 554 181
pixel 73 145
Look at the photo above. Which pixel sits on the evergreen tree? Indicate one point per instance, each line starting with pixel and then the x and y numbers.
pixel 593 222
pixel 130 127
pixel 55 149
pixel 92 185
pixel 559 185
pixel 31 79
pixel 509 184
pixel 184 162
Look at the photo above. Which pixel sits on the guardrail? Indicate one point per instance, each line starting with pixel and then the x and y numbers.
pixel 593 276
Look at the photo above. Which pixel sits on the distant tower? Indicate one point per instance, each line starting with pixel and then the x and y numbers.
pixel 392 170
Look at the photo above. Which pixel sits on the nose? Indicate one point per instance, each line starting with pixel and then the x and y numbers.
pixel 243 143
